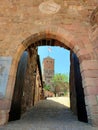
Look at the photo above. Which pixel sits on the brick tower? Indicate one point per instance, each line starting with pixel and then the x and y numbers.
pixel 48 70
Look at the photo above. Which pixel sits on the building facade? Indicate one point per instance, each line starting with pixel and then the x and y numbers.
pixel 48 70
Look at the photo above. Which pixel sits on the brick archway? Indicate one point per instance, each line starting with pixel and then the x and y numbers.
pixel 86 63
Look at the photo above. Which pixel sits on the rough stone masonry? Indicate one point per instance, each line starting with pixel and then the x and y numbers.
pixel 73 23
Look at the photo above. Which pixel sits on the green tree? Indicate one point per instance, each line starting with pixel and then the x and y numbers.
pixel 60 83
pixel 60 77
pixel 47 87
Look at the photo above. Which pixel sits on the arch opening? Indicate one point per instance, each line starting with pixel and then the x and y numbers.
pixel 76 92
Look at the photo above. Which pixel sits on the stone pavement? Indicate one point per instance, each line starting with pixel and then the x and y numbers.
pixel 50 114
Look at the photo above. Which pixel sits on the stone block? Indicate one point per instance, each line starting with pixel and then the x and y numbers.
pixel 3 117
pixel 4 104
pixel 94 110
pixel 97 97
pixel 90 73
pixel 91 90
pixel 82 52
pixel 95 121
pixel 87 82
pixel 90 100
pixel 85 57
pixel 88 110
pixel 89 65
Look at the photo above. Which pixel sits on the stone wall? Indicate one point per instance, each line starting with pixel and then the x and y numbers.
pixel 22 23
pixel 33 82
pixel 28 86
pixel 30 80
pixel 94 30
pixel 92 73
pixel 39 92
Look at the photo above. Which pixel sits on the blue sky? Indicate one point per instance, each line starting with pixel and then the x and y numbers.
pixel 61 56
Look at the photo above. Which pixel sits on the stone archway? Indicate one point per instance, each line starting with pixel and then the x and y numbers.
pixel 85 59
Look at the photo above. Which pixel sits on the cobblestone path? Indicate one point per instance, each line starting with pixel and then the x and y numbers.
pixel 50 114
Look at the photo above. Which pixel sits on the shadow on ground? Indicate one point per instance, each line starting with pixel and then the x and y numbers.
pixel 48 115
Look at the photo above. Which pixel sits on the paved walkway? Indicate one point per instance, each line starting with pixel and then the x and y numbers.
pixel 50 114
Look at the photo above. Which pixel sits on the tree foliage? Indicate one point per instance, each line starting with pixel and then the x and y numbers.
pixel 47 87
pixel 60 78
pixel 60 83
